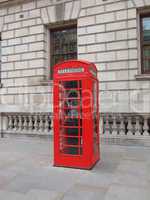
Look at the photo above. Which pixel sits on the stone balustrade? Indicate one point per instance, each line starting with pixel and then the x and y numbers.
pixel 112 125
pixel 27 123
pixel 130 126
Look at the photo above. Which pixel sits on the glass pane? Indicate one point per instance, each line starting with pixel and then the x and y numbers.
pixel 70 84
pixel 64 45
pixel 72 141
pixel 72 131
pixel 71 112
pixel 146 55
pixel 146 28
pixel 72 94
pixel 71 150
pixel 70 117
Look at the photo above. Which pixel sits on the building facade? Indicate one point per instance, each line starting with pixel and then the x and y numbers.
pixel 114 34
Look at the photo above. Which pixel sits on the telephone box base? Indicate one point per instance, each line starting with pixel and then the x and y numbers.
pixel 83 166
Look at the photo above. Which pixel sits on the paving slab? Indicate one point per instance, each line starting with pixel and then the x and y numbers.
pixel 27 173
pixel 11 196
pixel 43 194
pixel 85 192
pixel 122 192
pixel 133 167
pixel 129 179
pixel 103 180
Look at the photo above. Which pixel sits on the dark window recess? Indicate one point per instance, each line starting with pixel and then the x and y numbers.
pixel 63 44
pixel 145 43
pixel 70 84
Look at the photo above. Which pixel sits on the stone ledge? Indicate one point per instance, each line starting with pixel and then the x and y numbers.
pixel 46 82
pixel 142 77
pixel 13 108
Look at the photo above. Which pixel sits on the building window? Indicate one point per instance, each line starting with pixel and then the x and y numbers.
pixel 145 42
pixel 63 44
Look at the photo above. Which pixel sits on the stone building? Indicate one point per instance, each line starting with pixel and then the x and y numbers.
pixel 114 34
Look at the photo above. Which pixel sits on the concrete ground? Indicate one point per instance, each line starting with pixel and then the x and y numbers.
pixel 26 173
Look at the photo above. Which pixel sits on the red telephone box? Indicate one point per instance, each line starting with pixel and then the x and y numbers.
pixel 76 114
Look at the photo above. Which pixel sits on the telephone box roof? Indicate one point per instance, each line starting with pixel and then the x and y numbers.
pixel 86 64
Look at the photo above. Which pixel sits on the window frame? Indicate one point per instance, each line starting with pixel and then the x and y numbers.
pixel 56 27
pixel 142 15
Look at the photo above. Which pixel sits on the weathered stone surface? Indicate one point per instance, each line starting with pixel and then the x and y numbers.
pixel 108 34
pixel 27 172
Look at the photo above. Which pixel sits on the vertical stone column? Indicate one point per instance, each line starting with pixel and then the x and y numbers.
pixel 101 128
pixel 3 124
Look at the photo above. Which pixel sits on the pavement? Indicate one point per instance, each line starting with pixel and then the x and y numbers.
pixel 27 173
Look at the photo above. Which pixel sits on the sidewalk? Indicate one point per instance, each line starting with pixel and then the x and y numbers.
pixel 26 173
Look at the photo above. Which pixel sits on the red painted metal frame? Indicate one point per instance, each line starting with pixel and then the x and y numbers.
pixel 87 156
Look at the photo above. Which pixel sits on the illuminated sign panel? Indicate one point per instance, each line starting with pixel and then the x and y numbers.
pixel 70 70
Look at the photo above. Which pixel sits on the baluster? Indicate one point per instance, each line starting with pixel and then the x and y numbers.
pixel 122 127
pixel 30 123
pixel 107 126
pixel 46 123
pixel 146 127
pixel 130 127
pixel 7 124
pixel 25 123
pixel 4 122
pixel 51 124
pixel 38 123
pixel 101 125
pixel 114 127
pixel 20 123
pixel 15 122
pixel 41 123
pixel 10 123
pixel 35 123
pixel 137 127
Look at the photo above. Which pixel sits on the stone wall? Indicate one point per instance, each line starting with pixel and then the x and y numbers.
pixel 107 35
